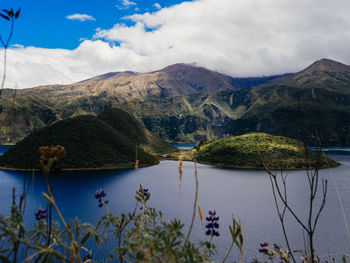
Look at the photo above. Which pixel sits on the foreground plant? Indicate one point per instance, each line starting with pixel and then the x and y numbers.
pixel 141 236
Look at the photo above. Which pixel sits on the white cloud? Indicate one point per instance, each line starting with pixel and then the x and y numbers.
pixel 157 5
pixel 239 38
pixel 125 4
pixel 17 46
pixel 81 17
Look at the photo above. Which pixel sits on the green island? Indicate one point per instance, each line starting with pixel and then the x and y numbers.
pixel 106 141
pixel 249 150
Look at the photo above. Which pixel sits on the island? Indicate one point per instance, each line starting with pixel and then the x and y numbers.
pixel 254 151
pixel 113 139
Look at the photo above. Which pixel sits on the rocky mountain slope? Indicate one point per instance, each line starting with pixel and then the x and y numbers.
pixel 313 101
pixel 184 103
pixel 36 107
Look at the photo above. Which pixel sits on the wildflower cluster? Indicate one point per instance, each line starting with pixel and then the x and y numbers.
pixel 40 214
pixel 212 224
pixel 276 252
pixel 263 247
pixel 99 195
pixel 142 195
pixel 144 191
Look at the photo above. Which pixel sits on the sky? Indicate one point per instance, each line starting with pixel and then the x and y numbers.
pixel 61 42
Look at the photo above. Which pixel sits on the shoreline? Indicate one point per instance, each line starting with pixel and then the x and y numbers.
pixel 252 167
pixel 118 167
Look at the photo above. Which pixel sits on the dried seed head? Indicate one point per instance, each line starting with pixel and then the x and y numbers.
pixel 180 167
pixel 200 214
pixel 136 165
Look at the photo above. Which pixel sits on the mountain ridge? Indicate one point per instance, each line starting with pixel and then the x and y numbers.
pixel 190 106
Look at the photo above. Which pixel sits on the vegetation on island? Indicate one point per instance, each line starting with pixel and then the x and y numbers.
pixel 113 139
pixel 250 150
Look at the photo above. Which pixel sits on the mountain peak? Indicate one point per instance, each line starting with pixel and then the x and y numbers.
pixel 182 67
pixel 326 65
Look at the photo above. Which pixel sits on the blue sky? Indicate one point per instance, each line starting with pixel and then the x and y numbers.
pixel 43 23
pixel 236 37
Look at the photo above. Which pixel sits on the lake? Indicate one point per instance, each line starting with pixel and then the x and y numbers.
pixel 244 193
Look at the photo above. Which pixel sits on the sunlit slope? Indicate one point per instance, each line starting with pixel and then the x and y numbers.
pixel 253 149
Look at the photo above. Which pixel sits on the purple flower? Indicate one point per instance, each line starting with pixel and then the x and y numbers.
pixel 263 250
pixel 99 195
pixel 212 224
pixel 264 244
pixel 215 233
pixel 144 190
pixel 40 214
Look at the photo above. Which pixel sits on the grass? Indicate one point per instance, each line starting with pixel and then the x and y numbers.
pixel 248 150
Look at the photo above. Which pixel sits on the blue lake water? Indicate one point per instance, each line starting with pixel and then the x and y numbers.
pixel 244 193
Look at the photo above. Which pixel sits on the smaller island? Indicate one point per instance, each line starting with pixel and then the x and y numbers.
pixel 249 150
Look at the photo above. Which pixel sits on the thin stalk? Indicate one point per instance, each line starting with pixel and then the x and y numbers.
pixel 229 251
pixel 194 204
pixel 52 201
pixel 5 54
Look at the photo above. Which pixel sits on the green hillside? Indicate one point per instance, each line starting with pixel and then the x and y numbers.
pixel 90 142
pixel 314 100
pixel 135 131
pixel 247 151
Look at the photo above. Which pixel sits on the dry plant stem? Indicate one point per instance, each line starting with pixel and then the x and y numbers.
pixel 21 207
pixel 179 203
pixel 180 184
pixel 229 251
pixel 281 215
pixel 51 200
pixel 313 185
pixel 4 74
pixel 122 227
pixel 5 45
pixel 194 204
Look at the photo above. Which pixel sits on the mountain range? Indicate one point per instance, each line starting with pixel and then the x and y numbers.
pixel 184 103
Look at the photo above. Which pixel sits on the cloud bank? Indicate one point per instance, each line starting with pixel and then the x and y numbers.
pixel 80 17
pixel 239 38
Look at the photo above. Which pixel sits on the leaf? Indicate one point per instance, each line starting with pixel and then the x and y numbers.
pixel 9 12
pixel 85 238
pixel 231 230
pixel 241 239
pixel 5 17
pixel 17 13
